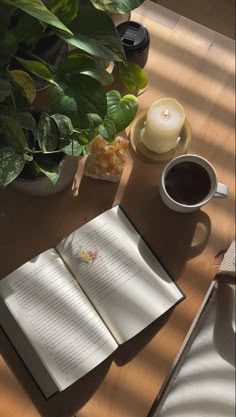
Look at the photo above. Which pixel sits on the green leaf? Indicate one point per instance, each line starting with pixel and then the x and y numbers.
pixel 48 166
pixel 26 120
pixel 13 133
pixel 63 100
pixel 5 89
pixel 76 98
pixel 94 120
pixel 11 165
pixel 7 49
pixel 62 143
pixel 108 130
pixel 78 63
pixel 132 76
pixel 95 33
pixel 121 110
pixel 65 129
pixel 90 95
pixel 5 15
pixel 37 9
pixel 64 125
pixel 37 68
pixel 81 138
pixel 27 29
pixel 65 10
pixel 74 148
pixel 117 6
pixel 48 134
pixel 24 86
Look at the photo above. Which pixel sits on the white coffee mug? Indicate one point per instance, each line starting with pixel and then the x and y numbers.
pixel 190 163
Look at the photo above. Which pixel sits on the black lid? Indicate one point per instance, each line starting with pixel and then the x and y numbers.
pixel 134 36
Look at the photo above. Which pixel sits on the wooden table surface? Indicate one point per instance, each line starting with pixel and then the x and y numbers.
pixel 196 66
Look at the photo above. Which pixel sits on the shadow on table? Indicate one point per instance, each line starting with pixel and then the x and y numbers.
pixel 97 192
pixel 63 404
pixel 173 237
pixel 132 347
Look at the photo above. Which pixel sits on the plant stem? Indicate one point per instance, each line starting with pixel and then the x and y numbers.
pixel 32 151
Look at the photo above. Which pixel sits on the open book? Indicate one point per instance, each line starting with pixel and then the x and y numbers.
pixel 65 315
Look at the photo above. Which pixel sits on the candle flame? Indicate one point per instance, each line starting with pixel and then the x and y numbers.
pixel 166 113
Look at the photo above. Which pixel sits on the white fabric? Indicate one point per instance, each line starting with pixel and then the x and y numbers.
pixel 203 384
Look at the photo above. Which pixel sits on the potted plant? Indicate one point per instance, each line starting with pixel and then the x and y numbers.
pixel 37 145
pixel 34 142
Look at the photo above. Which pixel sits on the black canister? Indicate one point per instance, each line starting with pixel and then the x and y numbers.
pixel 135 39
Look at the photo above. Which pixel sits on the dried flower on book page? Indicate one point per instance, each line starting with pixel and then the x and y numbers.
pixel 87 255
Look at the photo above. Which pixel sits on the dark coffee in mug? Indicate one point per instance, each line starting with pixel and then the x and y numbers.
pixel 188 183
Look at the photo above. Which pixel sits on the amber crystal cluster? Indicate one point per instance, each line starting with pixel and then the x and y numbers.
pixel 107 160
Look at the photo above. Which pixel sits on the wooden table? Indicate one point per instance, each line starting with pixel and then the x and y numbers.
pixel 196 66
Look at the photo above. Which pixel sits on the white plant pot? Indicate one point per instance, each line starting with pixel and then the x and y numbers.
pixel 42 186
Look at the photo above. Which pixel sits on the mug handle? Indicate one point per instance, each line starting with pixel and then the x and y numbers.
pixel 221 191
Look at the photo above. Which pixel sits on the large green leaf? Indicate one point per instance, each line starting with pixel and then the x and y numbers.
pixel 11 165
pixel 76 98
pixel 90 95
pixel 65 10
pixel 63 100
pixel 23 87
pixel 48 134
pixel 117 6
pixel 27 29
pixel 64 125
pixel 40 69
pixel 78 63
pixel 121 110
pixel 37 9
pixel 48 166
pixel 13 133
pixel 95 33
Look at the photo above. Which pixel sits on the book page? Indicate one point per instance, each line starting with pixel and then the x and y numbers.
pixel 126 283
pixel 57 318
pixel 228 265
pixel 24 349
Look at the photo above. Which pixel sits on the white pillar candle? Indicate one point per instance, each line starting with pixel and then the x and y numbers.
pixel 165 119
